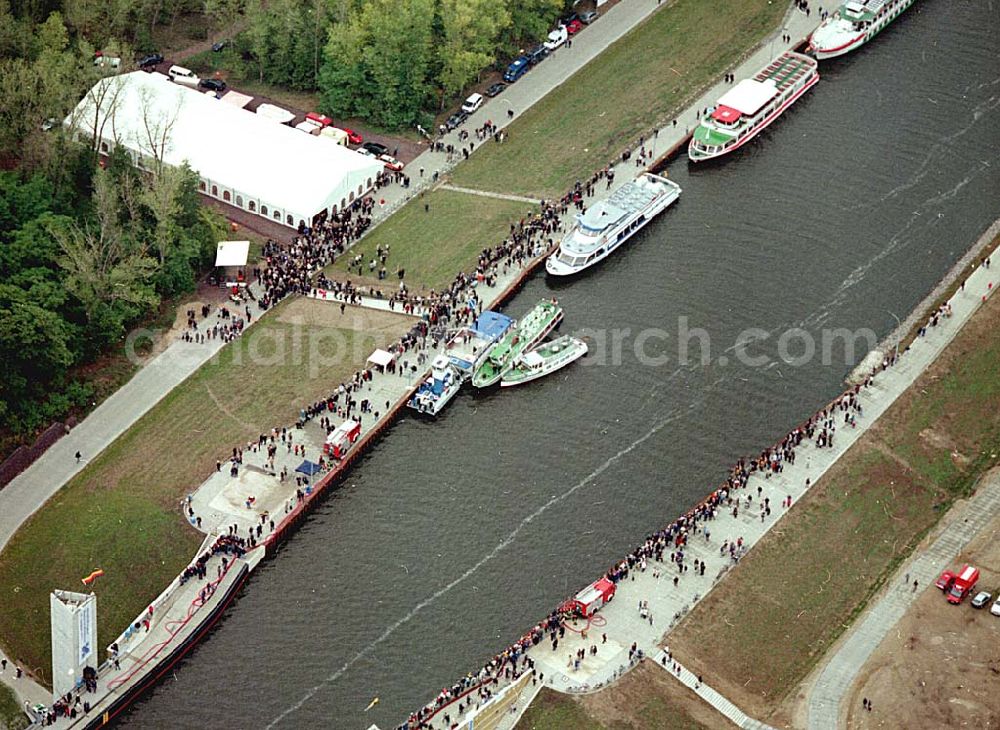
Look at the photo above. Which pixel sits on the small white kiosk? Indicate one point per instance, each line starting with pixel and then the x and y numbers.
pixel 231 260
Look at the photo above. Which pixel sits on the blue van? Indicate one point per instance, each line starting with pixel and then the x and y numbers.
pixel 516 70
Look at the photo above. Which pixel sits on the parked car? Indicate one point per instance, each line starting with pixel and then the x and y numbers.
pixel 181 75
pixel 375 148
pixel 517 68
pixel 353 137
pixel 995 608
pixel 216 47
pixel 537 54
pixel 574 26
pixel 216 85
pixel 495 89
pixel 588 17
pixel 455 120
pixel 105 61
pixel 153 59
pixel 473 103
pixel 391 163
pixel 556 38
pixel 320 119
pixel 569 18
pixel 981 599
pixel 945 580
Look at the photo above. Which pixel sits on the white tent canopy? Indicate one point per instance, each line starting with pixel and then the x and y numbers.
pixel 381 358
pixel 267 169
pixel 232 253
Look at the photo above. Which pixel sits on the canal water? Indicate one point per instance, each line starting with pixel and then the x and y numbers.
pixel 452 537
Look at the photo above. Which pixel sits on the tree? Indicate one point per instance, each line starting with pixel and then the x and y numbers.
pixel 101 270
pixel 161 197
pixel 470 30
pixel 380 61
pixel 530 19
pixel 34 352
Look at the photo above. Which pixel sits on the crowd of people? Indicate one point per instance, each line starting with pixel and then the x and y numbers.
pixel 819 430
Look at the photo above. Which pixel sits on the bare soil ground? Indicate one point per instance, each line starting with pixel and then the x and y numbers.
pixel 940 667
pixel 647 698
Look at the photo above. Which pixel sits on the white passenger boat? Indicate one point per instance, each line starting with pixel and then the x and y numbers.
pixel 607 224
pixel 438 389
pixel 544 359
pixel 854 24
pixel 748 108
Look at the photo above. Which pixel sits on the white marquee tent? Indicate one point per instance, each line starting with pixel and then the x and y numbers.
pixel 268 169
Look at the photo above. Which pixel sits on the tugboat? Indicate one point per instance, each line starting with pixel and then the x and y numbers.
pixel 438 389
pixel 544 359
pixel 853 25
pixel 530 330
pixel 747 108
pixel 608 224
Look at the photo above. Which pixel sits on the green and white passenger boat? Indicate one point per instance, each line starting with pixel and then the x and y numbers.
pixel 748 108
pixel 544 359
pixel 853 25
pixel 529 331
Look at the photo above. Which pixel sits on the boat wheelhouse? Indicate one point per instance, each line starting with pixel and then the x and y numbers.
pixel 607 224
pixel 852 25
pixel 750 106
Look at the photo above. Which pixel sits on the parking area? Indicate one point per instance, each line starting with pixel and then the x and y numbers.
pixel 402 148
pixel 940 665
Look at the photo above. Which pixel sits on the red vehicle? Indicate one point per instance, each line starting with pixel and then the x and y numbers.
pixel 945 580
pixel 342 439
pixel 965 583
pixel 320 119
pixel 353 137
pixel 574 26
pixel 593 597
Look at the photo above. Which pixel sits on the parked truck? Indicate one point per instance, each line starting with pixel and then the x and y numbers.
pixel 965 583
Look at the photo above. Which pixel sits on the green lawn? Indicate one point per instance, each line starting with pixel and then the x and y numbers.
pixel 12 717
pixel 642 81
pixel 121 512
pixel 797 591
pixel 553 710
pixel 434 245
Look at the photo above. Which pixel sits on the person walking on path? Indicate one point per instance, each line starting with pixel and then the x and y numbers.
pixel 78 457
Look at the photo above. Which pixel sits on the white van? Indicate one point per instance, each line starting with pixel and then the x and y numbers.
pixel 183 76
pixel 473 103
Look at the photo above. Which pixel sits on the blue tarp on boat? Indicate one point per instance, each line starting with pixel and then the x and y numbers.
pixel 492 324
pixel 309 468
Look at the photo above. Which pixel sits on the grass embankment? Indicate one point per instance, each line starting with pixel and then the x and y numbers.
pixel 434 245
pixel 12 717
pixel 759 633
pixel 642 81
pixel 121 513
pixel 647 698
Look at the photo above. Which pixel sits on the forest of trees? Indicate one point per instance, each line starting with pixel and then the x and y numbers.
pixel 85 251
pixel 392 62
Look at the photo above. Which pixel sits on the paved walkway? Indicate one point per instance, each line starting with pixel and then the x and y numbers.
pixel 688 678
pixel 488 194
pixel 828 694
